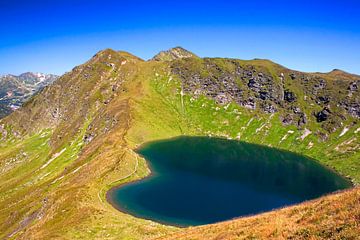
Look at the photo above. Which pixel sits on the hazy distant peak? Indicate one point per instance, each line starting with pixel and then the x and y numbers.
pixel 15 90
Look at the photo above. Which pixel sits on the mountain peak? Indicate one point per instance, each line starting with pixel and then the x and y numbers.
pixel 172 54
pixel 109 53
pixel 338 73
pixel 335 70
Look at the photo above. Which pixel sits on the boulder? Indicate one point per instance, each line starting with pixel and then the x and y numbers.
pixel 302 120
pixel 254 85
pixel 296 110
pixel 323 115
pixel 250 103
pixel 323 100
pixel 292 76
pixel 353 87
pixel 287 119
pixel 289 96
pixel 264 95
pixel 268 108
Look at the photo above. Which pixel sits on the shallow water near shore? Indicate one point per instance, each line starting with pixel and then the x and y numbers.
pixel 201 180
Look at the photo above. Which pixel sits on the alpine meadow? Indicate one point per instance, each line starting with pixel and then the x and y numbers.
pixel 179 120
pixel 67 146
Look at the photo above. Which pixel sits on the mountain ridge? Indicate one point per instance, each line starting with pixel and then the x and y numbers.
pixel 187 54
pixel 67 146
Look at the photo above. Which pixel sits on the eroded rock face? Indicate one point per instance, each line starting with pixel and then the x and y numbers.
pixel 245 85
pixel 351 106
pixel 272 89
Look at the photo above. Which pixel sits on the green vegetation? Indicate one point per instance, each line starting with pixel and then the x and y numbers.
pixel 202 116
pixel 71 143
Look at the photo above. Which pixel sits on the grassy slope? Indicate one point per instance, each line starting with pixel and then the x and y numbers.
pixel 65 198
pixel 69 202
pixel 335 216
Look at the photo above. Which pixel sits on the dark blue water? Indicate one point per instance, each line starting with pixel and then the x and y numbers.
pixel 200 180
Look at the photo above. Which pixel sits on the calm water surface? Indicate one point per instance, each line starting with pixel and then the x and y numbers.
pixel 200 180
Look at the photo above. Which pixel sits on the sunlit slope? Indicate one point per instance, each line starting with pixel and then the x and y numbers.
pixel 68 145
pixel 331 217
pixel 63 149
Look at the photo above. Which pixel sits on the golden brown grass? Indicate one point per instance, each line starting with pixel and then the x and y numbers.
pixel 335 216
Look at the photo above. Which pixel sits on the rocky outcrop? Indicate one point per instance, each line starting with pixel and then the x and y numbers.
pixel 353 109
pixel 353 86
pixel 323 100
pixel 323 115
pixel 272 89
pixel 302 120
pixel 289 96
pixel 245 85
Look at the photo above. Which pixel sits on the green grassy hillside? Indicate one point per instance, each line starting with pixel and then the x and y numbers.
pixel 71 143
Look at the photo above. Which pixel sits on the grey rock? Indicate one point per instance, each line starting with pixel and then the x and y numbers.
pixel 292 76
pixel 353 87
pixel 289 96
pixel 323 100
pixel 302 120
pixel 287 119
pixel 323 115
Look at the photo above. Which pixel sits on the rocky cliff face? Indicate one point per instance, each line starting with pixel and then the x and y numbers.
pixel 261 85
pixel 15 90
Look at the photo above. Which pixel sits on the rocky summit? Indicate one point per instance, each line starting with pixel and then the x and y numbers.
pixel 172 54
pixel 68 145
pixel 15 90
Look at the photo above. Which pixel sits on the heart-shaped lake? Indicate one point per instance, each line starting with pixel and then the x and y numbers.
pixel 200 180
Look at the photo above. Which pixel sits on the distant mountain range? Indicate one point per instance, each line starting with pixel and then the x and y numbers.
pixel 15 90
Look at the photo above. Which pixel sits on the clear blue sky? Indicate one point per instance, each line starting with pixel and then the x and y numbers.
pixel 54 36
